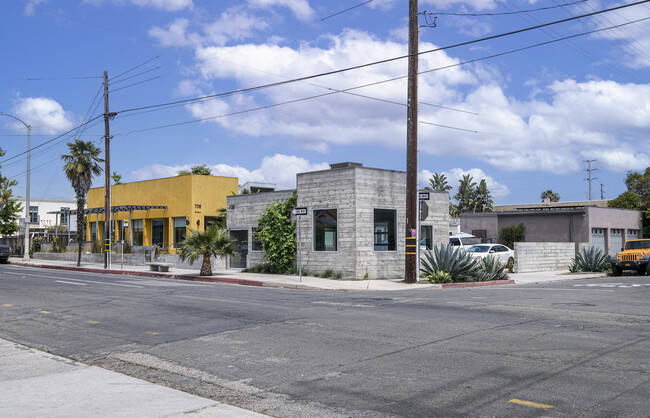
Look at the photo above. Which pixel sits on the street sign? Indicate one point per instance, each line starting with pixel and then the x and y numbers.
pixel 424 211
pixel 299 211
pixel 424 196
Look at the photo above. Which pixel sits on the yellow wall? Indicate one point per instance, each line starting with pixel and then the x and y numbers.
pixel 191 196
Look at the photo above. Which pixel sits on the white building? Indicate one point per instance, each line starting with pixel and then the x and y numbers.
pixel 40 219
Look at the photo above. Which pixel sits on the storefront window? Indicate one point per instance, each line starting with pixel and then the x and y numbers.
pixel 138 231
pixel 385 229
pixel 325 230
pixel 179 231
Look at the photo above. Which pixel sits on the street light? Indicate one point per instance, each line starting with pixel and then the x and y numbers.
pixel 27 214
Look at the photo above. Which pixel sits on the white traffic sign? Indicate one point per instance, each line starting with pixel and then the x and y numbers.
pixel 299 211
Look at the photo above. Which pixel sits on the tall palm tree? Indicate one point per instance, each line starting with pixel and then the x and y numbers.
pixel 81 165
pixel 214 241
pixel 438 182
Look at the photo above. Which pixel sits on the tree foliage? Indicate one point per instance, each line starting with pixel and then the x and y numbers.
pixel 510 234
pixel 277 234
pixel 637 196
pixel 471 197
pixel 550 195
pixel 9 207
pixel 213 241
pixel 201 169
pixel 117 178
pixel 81 165
pixel 438 182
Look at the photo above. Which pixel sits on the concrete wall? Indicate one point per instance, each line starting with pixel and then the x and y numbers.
pixel 438 216
pixel 245 210
pixel 543 256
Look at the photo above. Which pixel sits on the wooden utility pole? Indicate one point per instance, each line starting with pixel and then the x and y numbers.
pixel 107 171
pixel 411 274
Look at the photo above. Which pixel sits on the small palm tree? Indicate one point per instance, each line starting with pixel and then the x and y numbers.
pixel 80 166
pixel 214 241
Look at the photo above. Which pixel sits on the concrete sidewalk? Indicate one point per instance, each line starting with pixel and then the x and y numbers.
pixel 295 282
pixel 37 384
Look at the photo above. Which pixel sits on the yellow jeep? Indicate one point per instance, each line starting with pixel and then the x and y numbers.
pixel 634 256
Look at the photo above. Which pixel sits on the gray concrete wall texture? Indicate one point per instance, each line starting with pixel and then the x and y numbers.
pixel 543 256
pixel 244 210
pixel 438 216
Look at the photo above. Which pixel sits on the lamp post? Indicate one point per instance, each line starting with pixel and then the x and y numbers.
pixel 27 214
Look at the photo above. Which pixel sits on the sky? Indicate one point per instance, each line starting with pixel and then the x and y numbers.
pixel 189 83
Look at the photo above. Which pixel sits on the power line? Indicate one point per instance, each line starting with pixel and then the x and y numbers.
pixel 387 60
pixel 333 91
pixel 425 13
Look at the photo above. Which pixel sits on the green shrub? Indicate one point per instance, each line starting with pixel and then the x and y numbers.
pixel 574 267
pixel 440 277
pixel 508 235
pixel 592 259
pixel 457 263
pixel 490 268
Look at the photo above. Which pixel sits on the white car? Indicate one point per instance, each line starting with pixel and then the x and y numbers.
pixel 503 253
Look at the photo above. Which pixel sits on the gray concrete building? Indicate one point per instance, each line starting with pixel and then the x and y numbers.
pixel 603 227
pixel 355 220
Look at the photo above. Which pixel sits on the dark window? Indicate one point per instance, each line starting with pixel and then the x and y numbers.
pixel 138 231
pixel 426 237
pixel 385 229
pixel 479 233
pixel 33 214
pixel 325 230
pixel 257 244
pixel 179 231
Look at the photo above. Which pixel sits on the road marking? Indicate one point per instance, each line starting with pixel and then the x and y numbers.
pixel 64 282
pixel 152 333
pixel 618 285
pixel 44 312
pixel 531 404
pixel 7 305
pixel 92 322
pixel 79 280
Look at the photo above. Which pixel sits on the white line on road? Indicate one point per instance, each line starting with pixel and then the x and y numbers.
pixel 64 282
pixel 78 280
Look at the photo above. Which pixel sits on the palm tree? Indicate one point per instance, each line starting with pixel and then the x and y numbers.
pixel 439 183
pixel 81 165
pixel 214 241
pixel 550 195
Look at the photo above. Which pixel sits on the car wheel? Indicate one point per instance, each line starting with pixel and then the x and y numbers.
pixel 640 271
pixel 616 271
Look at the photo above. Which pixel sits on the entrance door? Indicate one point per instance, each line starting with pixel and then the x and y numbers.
pixel 158 232
pixel 241 242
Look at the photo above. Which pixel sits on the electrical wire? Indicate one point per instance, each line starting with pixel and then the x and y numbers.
pixel 500 13
pixel 381 82
pixel 387 60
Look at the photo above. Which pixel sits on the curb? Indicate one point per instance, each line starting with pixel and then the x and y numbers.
pixel 477 284
pixel 243 282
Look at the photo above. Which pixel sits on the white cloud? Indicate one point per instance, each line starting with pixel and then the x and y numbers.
pixel 31 5
pixel 167 5
pixel 454 175
pixel 43 114
pixel 300 8
pixel 279 169
pixel 175 34
pixel 631 42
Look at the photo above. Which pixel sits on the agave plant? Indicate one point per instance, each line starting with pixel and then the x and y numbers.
pixel 440 277
pixel 490 268
pixel 456 262
pixel 592 259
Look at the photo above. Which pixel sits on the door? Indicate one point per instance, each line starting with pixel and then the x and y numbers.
pixel 158 232
pixel 598 238
pixel 241 242
pixel 615 241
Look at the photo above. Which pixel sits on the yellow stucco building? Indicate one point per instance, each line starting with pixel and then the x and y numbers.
pixel 158 212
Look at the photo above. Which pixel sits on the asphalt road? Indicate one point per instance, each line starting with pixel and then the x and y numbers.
pixel 560 349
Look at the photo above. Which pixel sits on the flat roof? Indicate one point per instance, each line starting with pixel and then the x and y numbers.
pixel 121 208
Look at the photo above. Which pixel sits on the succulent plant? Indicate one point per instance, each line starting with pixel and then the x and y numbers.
pixel 592 259
pixel 490 268
pixel 460 265
pixel 440 277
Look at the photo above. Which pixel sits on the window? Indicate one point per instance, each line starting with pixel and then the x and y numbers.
pixel 138 231
pixel 65 215
pixel 33 214
pixel 385 228
pixel 426 237
pixel 257 244
pixel 179 231
pixel 325 232
pixel 93 231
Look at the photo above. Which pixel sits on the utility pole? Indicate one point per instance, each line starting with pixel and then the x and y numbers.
pixel 107 170
pixel 589 179
pixel 411 274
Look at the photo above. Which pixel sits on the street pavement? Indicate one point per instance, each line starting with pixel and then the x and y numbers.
pixel 35 383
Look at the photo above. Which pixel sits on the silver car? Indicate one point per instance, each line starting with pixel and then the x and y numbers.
pixel 501 252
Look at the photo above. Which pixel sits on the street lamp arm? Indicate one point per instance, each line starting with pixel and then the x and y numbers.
pixel 13 117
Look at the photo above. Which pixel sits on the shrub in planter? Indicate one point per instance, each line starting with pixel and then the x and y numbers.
pixel 490 268
pixel 447 258
pixel 592 259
